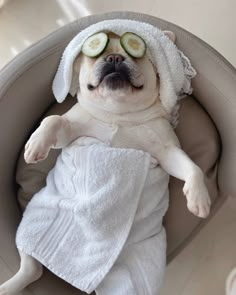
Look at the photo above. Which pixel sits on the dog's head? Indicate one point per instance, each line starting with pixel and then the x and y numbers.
pixel 116 82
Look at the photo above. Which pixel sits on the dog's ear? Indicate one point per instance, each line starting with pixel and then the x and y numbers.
pixel 74 87
pixel 171 35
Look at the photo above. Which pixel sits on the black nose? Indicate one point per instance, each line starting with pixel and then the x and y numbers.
pixel 114 58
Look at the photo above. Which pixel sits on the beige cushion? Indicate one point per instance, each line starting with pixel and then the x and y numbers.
pixel 198 137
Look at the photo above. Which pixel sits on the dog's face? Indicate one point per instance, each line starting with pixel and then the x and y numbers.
pixel 116 82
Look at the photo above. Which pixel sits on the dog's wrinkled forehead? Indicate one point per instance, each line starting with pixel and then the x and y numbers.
pixel 114 44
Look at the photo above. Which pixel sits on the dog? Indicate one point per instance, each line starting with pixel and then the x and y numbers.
pixel 117 95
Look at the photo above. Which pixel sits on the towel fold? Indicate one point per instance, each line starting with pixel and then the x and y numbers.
pixel 79 222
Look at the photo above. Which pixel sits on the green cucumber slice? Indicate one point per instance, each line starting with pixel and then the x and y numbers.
pixel 95 44
pixel 134 45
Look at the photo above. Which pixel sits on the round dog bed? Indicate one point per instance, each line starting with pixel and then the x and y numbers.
pixel 206 131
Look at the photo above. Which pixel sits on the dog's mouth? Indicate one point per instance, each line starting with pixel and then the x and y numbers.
pixel 115 77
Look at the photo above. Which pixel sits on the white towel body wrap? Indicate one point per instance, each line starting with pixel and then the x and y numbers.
pixel 98 201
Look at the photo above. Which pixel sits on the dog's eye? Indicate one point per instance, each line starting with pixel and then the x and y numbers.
pixel 134 45
pixel 95 45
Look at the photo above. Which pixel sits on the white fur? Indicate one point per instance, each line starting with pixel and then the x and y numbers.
pixel 98 114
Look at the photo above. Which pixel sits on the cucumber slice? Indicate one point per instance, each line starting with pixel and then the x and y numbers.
pixel 95 44
pixel 134 45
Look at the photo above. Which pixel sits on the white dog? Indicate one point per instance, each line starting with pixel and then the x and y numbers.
pixel 117 95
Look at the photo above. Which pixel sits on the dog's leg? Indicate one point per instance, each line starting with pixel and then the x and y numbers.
pixel 30 271
pixel 163 145
pixel 52 133
pixel 177 163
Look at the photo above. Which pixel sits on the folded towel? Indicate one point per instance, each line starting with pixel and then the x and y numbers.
pixel 139 269
pixel 79 222
pixel 173 67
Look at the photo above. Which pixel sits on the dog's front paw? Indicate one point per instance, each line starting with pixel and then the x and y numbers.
pixel 198 199
pixel 36 149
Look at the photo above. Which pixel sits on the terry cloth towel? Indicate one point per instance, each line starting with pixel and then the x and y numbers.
pixel 78 224
pixel 172 66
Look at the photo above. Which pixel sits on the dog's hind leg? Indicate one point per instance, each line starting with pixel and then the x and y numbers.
pixel 30 271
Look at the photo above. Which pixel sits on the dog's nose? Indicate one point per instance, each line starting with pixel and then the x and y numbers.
pixel 115 58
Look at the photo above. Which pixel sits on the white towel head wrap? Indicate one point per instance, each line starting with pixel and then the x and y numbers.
pixel 172 66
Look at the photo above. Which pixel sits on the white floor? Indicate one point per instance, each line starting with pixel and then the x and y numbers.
pixel 202 267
